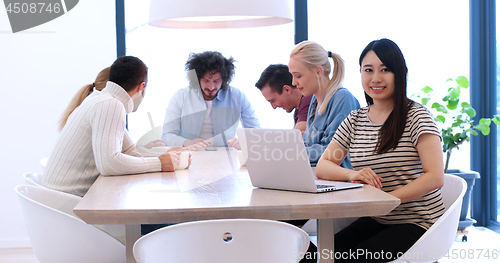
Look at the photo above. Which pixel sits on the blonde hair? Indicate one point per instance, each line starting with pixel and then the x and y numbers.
pixel 99 84
pixel 313 55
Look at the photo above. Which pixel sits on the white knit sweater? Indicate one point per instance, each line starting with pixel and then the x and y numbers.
pixel 94 142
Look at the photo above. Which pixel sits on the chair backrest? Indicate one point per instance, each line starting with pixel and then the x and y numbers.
pixel 43 162
pixel 438 239
pixel 57 235
pixel 33 179
pixel 227 240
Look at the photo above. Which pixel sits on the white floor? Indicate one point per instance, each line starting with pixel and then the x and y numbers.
pixel 483 245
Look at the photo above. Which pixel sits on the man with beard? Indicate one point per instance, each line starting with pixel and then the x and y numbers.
pixel 208 111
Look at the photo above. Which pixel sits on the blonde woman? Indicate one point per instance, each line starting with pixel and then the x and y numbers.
pixel 331 103
pixel 99 84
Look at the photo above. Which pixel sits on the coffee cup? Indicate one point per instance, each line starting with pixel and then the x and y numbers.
pixel 184 160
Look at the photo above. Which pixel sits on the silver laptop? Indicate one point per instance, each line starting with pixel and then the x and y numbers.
pixel 277 159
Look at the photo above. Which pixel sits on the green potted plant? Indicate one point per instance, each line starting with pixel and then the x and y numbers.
pixel 454 117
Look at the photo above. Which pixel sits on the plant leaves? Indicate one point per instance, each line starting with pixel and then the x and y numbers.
pixel 455 93
pixel 427 89
pixel 447 142
pixel 460 125
pixel 484 130
pixel 462 81
pixel 465 105
pixel 485 121
pixel 452 104
pixel 470 111
pixel 483 126
pixel 457 123
pixel 440 118
pixel 496 119
pixel 439 107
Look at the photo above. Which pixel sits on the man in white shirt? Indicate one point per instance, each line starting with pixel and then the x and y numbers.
pixel 209 110
pixel 95 141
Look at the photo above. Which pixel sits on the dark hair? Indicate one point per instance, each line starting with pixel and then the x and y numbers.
pixel 276 76
pixel 128 72
pixel 392 57
pixel 211 62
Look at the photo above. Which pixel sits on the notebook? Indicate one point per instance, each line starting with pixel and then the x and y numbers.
pixel 277 159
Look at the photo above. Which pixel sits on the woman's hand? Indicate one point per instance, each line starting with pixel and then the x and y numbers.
pixel 176 149
pixel 155 143
pixel 169 161
pixel 197 143
pixel 189 160
pixel 367 176
pixel 235 143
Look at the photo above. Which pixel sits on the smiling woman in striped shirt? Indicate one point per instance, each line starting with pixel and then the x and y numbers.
pixel 395 146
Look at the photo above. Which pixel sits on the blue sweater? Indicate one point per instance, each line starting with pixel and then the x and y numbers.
pixel 321 128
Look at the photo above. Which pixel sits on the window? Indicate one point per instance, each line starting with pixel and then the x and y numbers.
pixel 496 201
pixel 484 76
pixel 433 36
pixel 165 52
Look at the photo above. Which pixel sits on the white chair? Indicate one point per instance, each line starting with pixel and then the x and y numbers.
pixel 438 239
pixel 117 231
pixel 58 236
pixel 44 161
pixel 227 240
pixel 33 179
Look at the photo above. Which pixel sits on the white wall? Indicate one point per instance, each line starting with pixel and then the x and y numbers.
pixel 40 70
pixel 425 30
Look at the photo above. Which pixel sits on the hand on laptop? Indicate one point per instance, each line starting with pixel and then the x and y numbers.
pixel 155 143
pixel 235 143
pixel 194 144
pixel 367 176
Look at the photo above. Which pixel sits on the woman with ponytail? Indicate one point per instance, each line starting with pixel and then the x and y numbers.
pixel 310 66
pixel 99 84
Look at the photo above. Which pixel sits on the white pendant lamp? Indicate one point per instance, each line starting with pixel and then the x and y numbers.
pixel 198 14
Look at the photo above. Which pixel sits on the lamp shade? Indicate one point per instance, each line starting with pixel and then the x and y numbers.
pixel 197 14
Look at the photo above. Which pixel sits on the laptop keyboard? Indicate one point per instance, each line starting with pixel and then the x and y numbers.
pixel 322 186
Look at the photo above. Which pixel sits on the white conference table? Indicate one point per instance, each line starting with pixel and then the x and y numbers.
pixel 216 187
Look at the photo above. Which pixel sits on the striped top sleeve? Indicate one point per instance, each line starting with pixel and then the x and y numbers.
pixel 398 167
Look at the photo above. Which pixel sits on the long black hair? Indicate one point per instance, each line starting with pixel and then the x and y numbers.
pixel 392 57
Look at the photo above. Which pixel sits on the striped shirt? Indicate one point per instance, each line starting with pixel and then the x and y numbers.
pixel 398 167
pixel 95 142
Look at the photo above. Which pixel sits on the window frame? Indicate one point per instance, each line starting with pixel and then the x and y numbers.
pixel 483 81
